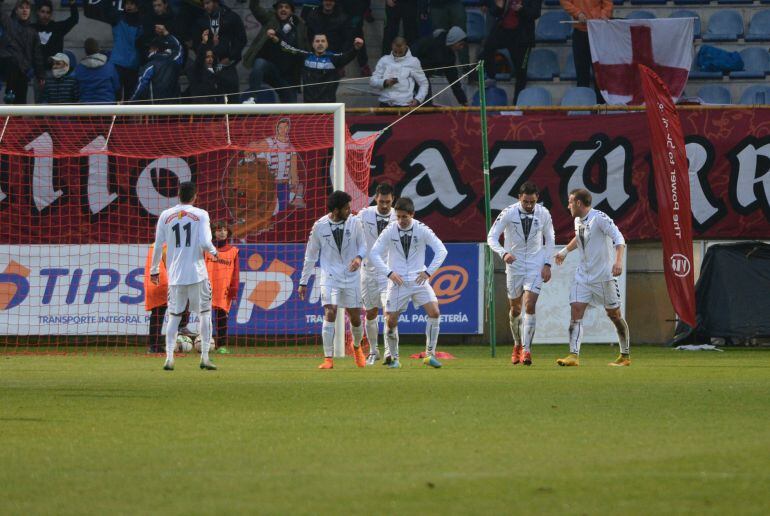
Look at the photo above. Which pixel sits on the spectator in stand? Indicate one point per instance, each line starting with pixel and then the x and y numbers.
pixel 438 51
pixel 21 56
pixel 445 14
pixel 357 11
pixel 268 63
pixel 159 78
pixel 51 33
pixel 204 76
pixel 61 87
pixel 581 11
pixel 320 66
pixel 187 14
pixel 126 31
pixel 160 19
pixel 97 77
pixel 397 75
pixel 329 19
pixel 514 30
pixel 227 37
pixel 396 13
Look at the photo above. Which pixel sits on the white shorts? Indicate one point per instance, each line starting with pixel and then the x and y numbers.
pixel 373 290
pixel 398 297
pixel 197 294
pixel 518 283
pixel 341 297
pixel 601 293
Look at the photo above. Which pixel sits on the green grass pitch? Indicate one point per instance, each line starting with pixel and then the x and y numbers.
pixel 677 432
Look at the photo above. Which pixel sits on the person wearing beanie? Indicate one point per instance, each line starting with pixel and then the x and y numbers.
pixel 159 78
pixel 445 14
pixel 61 87
pixel 438 51
pixel 582 11
pixel 21 55
pixel 97 77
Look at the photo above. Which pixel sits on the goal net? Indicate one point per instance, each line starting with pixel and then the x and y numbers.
pixel 80 192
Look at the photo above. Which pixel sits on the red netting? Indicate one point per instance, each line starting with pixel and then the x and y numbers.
pixel 80 196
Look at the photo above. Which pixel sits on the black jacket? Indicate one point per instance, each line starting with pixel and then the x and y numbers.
pixel 335 25
pixel 205 87
pixel 159 78
pixel 433 53
pixel 64 90
pixel 530 11
pixel 229 27
pixel 150 20
pixel 21 44
pixel 52 35
pixel 319 69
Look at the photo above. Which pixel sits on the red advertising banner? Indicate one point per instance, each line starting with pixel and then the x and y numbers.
pixel 672 186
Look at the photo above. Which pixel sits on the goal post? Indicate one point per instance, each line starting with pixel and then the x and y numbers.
pixel 84 183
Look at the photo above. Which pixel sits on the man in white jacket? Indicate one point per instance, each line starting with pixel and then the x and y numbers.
pixel 405 242
pixel 398 74
pixel 526 250
pixel 337 240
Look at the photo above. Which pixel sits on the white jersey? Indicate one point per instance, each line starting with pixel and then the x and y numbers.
pixel 594 233
pixel 528 237
pixel 336 245
pixel 186 232
pixel 279 163
pixel 405 249
pixel 372 224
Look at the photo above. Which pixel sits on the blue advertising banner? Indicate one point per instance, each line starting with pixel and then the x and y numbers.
pixel 268 303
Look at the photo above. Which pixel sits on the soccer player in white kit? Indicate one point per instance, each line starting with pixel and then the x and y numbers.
pixel 527 250
pixel 186 232
pixel 338 242
pixel 374 219
pixel 596 276
pixel 405 242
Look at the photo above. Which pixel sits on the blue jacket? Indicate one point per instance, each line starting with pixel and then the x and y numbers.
pixel 98 80
pixel 126 29
pixel 159 78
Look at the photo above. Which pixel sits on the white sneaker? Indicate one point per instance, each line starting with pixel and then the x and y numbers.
pixel 169 365
pixel 371 359
pixel 208 365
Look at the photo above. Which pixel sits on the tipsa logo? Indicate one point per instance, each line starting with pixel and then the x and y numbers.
pixel 680 265
pixel 266 289
pixel 448 283
pixel 14 286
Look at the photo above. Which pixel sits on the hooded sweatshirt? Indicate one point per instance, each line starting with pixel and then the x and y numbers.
pixel 409 73
pixel 98 80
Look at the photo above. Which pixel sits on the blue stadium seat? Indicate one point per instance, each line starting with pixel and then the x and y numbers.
pixel 495 97
pixel 757 94
pixel 759 26
pixel 552 3
pixel 476 26
pixel 504 65
pixel 535 96
pixel 268 96
pixel 691 2
pixel 620 2
pixel 724 25
pixel 550 29
pixel 543 65
pixel 579 96
pixel 697 73
pixel 569 74
pixel 715 94
pixel 735 1
pixel 686 13
pixel 648 2
pixel 756 64
pixel 640 15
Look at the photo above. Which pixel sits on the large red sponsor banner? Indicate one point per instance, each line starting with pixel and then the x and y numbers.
pixel 673 193
pixel 436 160
pixel 81 195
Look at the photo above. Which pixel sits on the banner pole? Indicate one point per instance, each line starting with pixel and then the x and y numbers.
pixel 489 264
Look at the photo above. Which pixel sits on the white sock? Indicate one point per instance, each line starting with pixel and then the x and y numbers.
pixel 372 331
pixel 171 329
pixel 528 331
pixel 391 338
pixel 575 336
pixel 205 328
pixel 624 336
pixel 515 323
pixel 358 334
pixel 327 336
pixel 431 335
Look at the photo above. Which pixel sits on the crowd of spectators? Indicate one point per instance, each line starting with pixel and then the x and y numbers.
pixel 157 47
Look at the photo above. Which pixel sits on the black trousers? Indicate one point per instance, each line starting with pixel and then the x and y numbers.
pixel 220 323
pixel 406 12
pixel 157 340
pixel 581 52
pixel 507 39
pixel 128 79
pixel 15 80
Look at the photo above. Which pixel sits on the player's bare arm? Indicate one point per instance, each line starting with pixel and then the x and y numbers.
pixel 301 291
pixel 617 267
pixel 355 264
pixel 395 278
pixel 561 255
pixel 422 278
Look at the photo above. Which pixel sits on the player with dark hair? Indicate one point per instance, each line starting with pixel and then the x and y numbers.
pixel 527 249
pixel 405 243
pixel 596 276
pixel 337 242
pixel 374 220
pixel 224 274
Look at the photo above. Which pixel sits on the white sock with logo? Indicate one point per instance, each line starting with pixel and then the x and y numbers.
pixel 624 336
pixel 372 333
pixel 327 336
pixel 171 329
pixel 358 334
pixel 431 335
pixel 575 336
pixel 391 338
pixel 515 323
pixel 528 331
pixel 205 327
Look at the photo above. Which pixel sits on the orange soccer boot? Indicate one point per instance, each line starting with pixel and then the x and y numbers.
pixel 328 364
pixel 358 356
pixel 516 356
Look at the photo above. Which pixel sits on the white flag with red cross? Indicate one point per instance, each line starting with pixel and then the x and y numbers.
pixel 619 46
